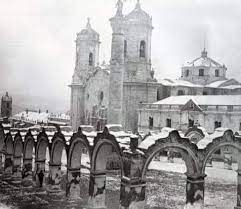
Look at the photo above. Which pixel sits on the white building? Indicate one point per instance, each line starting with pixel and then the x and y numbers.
pixel 182 112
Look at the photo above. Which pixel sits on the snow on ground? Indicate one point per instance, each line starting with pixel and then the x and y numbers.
pixel 216 172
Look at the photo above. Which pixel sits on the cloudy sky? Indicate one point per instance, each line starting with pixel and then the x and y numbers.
pixel 37 39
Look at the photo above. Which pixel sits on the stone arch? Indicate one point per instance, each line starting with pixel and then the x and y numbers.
pixel 2 137
pixel 105 143
pixel 18 145
pixel 9 144
pixel 29 145
pixel 77 142
pixel 182 145
pixel 227 139
pixel 42 144
pixel 58 144
pixel 17 155
pixel 195 134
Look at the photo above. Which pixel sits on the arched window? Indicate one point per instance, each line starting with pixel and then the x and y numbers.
pixel 180 93
pixel 101 96
pixel 186 73
pixel 91 59
pixel 125 48
pixel 143 49
pixel 217 124
pixel 201 72
pixel 150 122
pixel 217 73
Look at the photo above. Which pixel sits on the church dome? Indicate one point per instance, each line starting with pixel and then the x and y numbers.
pixel 203 61
pixel 89 32
pixel 138 15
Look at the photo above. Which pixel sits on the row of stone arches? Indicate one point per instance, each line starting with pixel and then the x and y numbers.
pixel 107 154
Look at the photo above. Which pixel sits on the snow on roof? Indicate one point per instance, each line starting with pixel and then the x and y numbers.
pixel 216 84
pixel 217 100
pixel 32 116
pixel 176 82
pixel 204 61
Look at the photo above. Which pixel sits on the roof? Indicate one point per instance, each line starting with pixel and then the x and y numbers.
pixel 138 15
pixel 203 61
pixel 89 31
pixel 176 82
pixel 216 100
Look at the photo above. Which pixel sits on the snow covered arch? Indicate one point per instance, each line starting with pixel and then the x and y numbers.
pixel 18 145
pixel 182 145
pixel 105 145
pixel 195 134
pixel 42 145
pixel 228 139
pixel 9 144
pixel 29 146
pixel 58 145
pixel 2 137
pixel 78 142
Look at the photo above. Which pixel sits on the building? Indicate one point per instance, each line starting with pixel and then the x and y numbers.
pixel 183 112
pixel 30 118
pixel 6 106
pixel 111 93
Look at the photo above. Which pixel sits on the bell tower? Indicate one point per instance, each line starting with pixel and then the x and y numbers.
pixel 87 58
pixel 116 67
pixel 138 32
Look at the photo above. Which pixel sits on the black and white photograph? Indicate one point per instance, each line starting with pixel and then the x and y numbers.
pixel 120 104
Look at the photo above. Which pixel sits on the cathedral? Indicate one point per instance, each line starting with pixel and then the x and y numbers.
pixel 113 93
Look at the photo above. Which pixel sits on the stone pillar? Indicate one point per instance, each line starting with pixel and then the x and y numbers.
pixel 195 192
pixel 27 173
pixel 8 165
pixel 17 171
pixel 73 185
pixel 132 194
pixel 132 186
pixel 227 159
pixel 97 190
pixel 1 163
pixel 55 177
pixel 39 166
pixel 238 190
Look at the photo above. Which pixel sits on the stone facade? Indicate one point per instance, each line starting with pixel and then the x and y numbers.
pixel 111 93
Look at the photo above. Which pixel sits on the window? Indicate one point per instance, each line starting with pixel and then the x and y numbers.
pixel 180 92
pixel 186 73
pixel 190 123
pixel 169 123
pixel 91 59
pixel 8 105
pixel 230 108
pixel 150 122
pixel 217 73
pixel 201 72
pixel 125 48
pixel 240 126
pixel 143 49
pixel 101 96
pixel 217 124
pixel 205 93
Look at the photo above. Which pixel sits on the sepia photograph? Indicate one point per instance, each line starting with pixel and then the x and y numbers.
pixel 120 104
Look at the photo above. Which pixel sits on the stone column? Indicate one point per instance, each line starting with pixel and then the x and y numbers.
pixel 39 166
pixel 1 163
pixel 17 171
pixel 132 194
pixel 195 192
pixel 8 165
pixel 238 190
pixel 97 190
pixel 27 173
pixel 55 177
pixel 227 159
pixel 73 185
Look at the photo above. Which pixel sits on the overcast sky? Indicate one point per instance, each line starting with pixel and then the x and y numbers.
pixel 37 39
